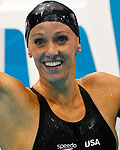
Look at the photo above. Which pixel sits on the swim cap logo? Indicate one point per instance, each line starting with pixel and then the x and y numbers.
pixel 28 23
pixel 66 146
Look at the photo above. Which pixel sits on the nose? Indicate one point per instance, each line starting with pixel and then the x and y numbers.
pixel 51 50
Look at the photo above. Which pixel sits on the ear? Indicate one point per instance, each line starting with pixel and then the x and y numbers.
pixel 29 53
pixel 78 45
pixel 79 48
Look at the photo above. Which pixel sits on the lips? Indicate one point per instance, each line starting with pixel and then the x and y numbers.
pixel 52 63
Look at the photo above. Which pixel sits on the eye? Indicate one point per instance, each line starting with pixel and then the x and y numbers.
pixel 40 42
pixel 61 39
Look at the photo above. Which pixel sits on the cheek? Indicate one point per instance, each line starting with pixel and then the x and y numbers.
pixel 36 53
pixel 70 51
pixel 72 56
pixel 70 60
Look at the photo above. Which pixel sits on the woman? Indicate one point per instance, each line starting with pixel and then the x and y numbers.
pixel 58 112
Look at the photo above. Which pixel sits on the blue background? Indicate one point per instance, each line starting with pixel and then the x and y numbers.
pixel 15 53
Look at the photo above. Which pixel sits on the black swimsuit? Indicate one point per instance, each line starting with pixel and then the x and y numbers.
pixel 90 133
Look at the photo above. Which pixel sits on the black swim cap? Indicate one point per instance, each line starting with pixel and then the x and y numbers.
pixel 51 11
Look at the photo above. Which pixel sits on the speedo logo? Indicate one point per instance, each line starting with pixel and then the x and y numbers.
pixel 66 146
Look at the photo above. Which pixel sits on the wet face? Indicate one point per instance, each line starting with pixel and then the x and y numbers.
pixel 53 46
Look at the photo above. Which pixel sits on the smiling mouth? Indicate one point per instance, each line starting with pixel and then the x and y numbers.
pixel 52 63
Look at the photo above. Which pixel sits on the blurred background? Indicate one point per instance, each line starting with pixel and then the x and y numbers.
pixel 99 24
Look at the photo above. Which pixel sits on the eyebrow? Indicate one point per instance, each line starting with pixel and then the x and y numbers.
pixel 37 34
pixel 61 32
pixel 42 34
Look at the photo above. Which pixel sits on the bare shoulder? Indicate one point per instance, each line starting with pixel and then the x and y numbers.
pixel 9 82
pixel 103 87
pixel 99 79
pixel 14 89
pixel 13 92
pixel 10 85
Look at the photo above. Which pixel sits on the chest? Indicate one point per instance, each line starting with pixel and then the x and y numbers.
pixel 91 131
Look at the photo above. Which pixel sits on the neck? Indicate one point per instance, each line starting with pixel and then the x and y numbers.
pixel 59 92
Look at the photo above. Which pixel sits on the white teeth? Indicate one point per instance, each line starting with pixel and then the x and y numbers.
pixel 53 64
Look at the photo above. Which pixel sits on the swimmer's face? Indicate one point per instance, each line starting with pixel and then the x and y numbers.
pixel 53 46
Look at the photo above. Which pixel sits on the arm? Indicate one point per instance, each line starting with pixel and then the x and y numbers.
pixel 13 96
pixel 14 115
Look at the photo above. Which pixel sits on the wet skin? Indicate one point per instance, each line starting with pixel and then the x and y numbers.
pixel 51 42
pixel 53 46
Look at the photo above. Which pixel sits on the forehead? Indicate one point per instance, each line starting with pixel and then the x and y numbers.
pixel 51 27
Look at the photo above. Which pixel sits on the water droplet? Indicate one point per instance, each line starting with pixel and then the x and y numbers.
pixel 52 119
pixel 110 94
